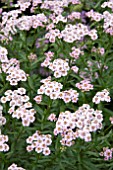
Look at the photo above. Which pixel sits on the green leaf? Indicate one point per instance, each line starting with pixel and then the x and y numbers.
pixel 38 109
pixel 92 153
pixel 31 83
pixel 108 111
pixel 89 165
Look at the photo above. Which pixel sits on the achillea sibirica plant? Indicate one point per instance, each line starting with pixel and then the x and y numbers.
pixel 56 85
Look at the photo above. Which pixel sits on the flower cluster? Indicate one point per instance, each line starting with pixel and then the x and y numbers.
pixel 84 85
pixel 72 33
pixel 59 18
pixel 69 96
pixel 39 142
pixel 52 34
pixel 57 6
pixel 34 21
pixel 57 24
pixel 23 5
pixel 3 146
pixel 49 55
pixel 50 88
pixel 74 15
pixel 2 118
pixel 32 57
pixel 107 153
pixel 36 2
pixel 13 19
pixel 108 22
pixel 13 71
pixel 75 53
pixel 88 120
pixel 79 124
pixel 64 126
pixel 108 4
pixel 15 167
pixel 11 68
pixel 11 22
pixel 101 96
pixel 96 16
pixel 20 107
pixel 60 67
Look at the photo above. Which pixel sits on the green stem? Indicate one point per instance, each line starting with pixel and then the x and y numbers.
pixel 108 128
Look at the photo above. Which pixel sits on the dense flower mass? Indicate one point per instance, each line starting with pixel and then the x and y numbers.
pixel 20 107
pixel 11 68
pixel 39 142
pixel 11 22
pixel 69 95
pixel 79 124
pixel 50 88
pixel 57 6
pixel 56 66
pixel 72 33
pixel 60 67
pixel 53 90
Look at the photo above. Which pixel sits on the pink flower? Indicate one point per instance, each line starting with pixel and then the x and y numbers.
pixel 38 99
pixel 107 153
pixel 52 117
